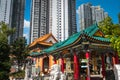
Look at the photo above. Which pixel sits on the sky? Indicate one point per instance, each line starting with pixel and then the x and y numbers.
pixel 110 6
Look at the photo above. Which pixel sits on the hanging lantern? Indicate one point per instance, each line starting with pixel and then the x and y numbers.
pixel 87 55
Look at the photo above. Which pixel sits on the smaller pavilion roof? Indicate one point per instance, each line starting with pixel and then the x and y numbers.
pixel 41 40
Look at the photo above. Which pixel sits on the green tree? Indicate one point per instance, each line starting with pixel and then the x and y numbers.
pixel 119 18
pixel 4 51
pixel 111 31
pixel 20 51
pixel 106 26
pixel 5 31
pixel 116 36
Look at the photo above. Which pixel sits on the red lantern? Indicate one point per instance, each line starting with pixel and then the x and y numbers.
pixel 87 55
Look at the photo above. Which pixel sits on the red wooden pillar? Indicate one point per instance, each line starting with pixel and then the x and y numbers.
pixel 62 65
pixel 43 65
pixel 103 66
pixel 116 58
pixel 76 67
pixel 87 55
pixel 113 61
pixel 55 62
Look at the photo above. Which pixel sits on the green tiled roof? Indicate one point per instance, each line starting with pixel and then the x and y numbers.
pixel 90 31
pixel 102 39
pixel 58 45
pixel 71 39
pixel 51 48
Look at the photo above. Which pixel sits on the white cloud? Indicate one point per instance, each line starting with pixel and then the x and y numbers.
pixel 77 11
pixel 26 36
pixel 26 24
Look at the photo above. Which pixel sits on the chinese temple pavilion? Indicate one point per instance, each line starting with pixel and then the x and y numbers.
pixel 35 47
pixel 84 54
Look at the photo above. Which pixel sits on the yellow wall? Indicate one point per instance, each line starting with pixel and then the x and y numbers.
pixel 51 62
pixel 39 62
pixel 36 65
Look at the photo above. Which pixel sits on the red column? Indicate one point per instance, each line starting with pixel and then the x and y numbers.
pixel 43 65
pixel 113 61
pixel 103 66
pixel 76 67
pixel 55 62
pixel 116 59
pixel 87 55
pixel 62 65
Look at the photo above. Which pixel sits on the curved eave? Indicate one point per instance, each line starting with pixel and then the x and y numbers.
pixel 67 46
pixel 42 43
pixel 63 44
pixel 45 43
pixel 32 44
pixel 104 41
pixel 77 38
pixel 98 39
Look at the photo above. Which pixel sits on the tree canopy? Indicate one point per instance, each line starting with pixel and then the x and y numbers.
pixel 106 26
pixel 20 51
pixel 111 31
pixel 119 18
pixel 5 31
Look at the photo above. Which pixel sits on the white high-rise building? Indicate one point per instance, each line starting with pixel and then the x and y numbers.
pixel 98 14
pixel 63 18
pixel 60 18
pixel 39 24
pixel 59 21
pixel 89 15
pixel 85 16
pixel 12 13
pixel 5 10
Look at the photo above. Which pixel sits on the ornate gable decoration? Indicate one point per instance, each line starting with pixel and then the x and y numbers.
pixel 99 33
pixel 46 40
